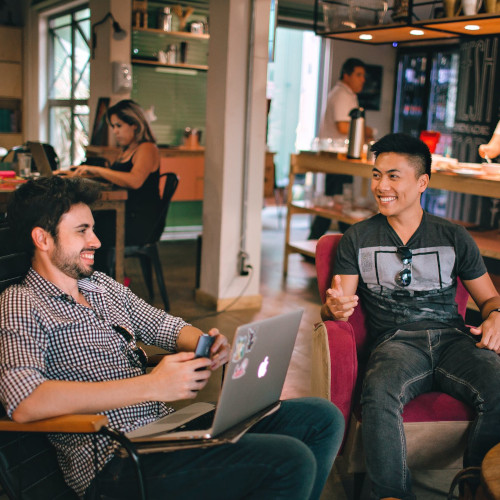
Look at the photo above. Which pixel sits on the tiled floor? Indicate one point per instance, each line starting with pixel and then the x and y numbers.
pixel 299 289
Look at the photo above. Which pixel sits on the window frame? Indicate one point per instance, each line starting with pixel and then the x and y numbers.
pixel 73 102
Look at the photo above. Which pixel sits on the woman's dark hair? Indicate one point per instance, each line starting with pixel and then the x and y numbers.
pixel 42 202
pixel 414 149
pixel 131 113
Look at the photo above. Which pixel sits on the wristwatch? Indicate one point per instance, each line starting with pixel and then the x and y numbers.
pixel 493 310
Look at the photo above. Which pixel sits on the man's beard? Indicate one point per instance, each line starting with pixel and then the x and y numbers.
pixel 71 266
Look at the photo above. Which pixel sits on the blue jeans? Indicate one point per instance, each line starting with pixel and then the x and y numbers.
pixel 287 455
pixel 407 364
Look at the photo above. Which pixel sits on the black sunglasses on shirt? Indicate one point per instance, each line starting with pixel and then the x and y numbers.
pixel 138 352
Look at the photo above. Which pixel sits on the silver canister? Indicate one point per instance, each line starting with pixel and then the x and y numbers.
pixel 356 133
pixel 166 19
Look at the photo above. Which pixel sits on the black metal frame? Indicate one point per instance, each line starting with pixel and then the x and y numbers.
pixel 411 21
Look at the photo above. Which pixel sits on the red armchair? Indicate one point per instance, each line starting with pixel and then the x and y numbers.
pixel 435 423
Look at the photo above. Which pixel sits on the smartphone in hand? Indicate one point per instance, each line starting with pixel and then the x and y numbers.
pixel 205 342
pixel 203 347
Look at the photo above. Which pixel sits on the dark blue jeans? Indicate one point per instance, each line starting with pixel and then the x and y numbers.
pixel 407 364
pixel 287 455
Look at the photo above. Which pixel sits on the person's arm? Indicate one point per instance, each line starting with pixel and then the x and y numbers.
pixel 492 149
pixel 486 297
pixel 145 161
pixel 174 378
pixel 341 298
pixel 343 127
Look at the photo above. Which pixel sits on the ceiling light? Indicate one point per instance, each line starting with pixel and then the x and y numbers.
pixel 472 27
pixel 365 36
pixel 417 32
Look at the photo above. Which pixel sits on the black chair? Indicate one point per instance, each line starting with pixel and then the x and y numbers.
pixel 28 464
pixel 148 251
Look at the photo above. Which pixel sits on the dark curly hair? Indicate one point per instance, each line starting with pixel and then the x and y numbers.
pixel 42 202
pixel 414 149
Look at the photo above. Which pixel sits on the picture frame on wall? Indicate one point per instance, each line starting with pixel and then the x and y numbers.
pixel 100 131
pixel 369 98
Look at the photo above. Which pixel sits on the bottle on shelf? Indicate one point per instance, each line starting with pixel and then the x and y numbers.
pixel 166 19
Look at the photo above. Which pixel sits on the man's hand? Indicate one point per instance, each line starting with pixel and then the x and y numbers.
pixel 339 306
pixel 176 376
pixel 490 331
pixel 220 349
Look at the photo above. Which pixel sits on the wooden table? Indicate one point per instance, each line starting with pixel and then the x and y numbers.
pixel 490 476
pixel 111 199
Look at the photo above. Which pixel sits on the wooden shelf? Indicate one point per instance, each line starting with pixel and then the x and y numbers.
pixel 177 34
pixel 148 62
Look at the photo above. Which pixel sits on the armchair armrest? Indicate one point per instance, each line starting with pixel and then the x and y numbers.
pixel 64 423
pixel 335 364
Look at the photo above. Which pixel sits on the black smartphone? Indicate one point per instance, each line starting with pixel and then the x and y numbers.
pixel 205 342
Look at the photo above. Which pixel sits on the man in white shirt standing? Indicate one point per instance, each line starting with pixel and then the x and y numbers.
pixel 335 125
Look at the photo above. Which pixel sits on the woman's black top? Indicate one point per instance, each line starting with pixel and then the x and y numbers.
pixel 143 205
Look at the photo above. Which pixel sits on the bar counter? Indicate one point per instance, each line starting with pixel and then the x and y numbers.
pixel 333 163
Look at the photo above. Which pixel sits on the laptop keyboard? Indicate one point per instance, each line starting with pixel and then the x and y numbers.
pixel 201 423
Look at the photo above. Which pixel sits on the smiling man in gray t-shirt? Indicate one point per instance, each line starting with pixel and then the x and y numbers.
pixel 405 264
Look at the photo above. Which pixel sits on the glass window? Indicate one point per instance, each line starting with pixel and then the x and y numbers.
pixel 69 84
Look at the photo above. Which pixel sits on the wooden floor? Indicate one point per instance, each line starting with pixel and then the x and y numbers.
pixel 279 295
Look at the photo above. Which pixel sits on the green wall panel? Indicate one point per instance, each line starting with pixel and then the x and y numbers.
pixel 179 100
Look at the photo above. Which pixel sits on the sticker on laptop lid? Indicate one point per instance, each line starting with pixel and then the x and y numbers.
pixel 240 369
pixel 240 348
pixel 252 337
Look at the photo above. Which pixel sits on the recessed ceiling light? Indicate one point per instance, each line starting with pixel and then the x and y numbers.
pixel 365 36
pixel 417 32
pixel 472 27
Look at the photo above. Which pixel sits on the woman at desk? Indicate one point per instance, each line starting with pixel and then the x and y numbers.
pixel 136 169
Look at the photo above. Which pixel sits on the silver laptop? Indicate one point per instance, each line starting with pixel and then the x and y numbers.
pixel 252 387
pixel 40 158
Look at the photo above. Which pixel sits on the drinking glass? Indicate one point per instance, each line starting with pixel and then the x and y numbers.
pixel 24 162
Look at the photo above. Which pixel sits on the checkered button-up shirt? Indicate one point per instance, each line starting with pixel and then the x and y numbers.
pixel 46 335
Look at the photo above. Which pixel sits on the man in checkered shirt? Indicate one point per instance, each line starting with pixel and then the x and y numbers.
pixel 68 345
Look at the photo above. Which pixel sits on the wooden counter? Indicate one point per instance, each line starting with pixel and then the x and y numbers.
pixel 331 163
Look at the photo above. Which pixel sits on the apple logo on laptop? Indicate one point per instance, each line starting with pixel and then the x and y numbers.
pixel 263 367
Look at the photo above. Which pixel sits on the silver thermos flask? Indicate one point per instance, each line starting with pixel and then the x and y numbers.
pixel 356 133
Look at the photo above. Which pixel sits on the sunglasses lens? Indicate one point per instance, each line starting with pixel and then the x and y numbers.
pixel 137 351
pixel 403 278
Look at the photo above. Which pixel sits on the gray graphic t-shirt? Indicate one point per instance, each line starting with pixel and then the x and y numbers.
pixel 441 252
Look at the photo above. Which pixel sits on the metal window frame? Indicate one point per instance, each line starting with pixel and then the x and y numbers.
pixel 72 102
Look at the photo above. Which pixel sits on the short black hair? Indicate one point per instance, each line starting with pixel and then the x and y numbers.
pixel 350 65
pixel 414 149
pixel 42 202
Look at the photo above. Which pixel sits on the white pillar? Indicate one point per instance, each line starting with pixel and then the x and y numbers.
pixel 108 50
pixel 235 141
